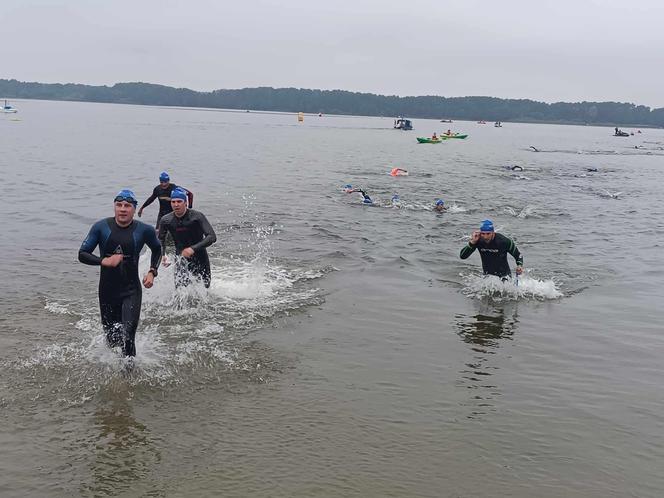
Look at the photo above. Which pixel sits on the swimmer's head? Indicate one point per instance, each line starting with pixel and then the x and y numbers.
pixel 486 226
pixel 395 198
pixel 179 193
pixel 440 202
pixel 164 178
pixel 126 195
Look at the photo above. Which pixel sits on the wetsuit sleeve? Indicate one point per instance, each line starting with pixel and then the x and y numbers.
pixel 514 251
pixel 150 199
pixel 467 250
pixel 162 236
pixel 210 237
pixel 155 247
pixel 91 241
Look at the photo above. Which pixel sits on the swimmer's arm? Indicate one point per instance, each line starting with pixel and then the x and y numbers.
pixel 514 251
pixel 163 232
pixel 467 250
pixel 155 249
pixel 85 255
pixel 210 237
pixel 150 199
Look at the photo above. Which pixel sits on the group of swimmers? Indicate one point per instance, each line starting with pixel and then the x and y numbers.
pixel 121 238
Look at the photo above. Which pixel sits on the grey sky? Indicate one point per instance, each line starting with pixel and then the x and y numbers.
pixel 551 51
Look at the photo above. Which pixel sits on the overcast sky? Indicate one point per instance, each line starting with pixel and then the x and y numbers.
pixel 551 51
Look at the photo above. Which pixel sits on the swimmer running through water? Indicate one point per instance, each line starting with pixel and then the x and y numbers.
pixel 120 240
pixel 493 249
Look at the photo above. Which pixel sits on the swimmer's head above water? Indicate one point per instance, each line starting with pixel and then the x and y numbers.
pixel 439 205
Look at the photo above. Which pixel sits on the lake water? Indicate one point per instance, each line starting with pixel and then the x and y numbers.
pixel 342 350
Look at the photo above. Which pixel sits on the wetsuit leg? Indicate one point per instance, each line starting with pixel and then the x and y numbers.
pixel 131 313
pixel 201 268
pixel 111 320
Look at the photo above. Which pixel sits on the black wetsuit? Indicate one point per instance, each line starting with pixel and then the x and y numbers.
pixel 164 196
pixel 494 255
pixel 192 230
pixel 120 287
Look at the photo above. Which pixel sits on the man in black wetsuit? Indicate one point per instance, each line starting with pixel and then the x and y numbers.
pixel 493 249
pixel 192 233
pixel 120 240
pixel 163 193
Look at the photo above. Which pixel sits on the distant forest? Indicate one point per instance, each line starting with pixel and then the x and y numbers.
pixel 344 102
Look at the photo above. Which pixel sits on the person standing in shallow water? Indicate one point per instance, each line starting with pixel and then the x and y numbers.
pixel 493 248
pixel 120 240
pixel 192 234
pixel 163 193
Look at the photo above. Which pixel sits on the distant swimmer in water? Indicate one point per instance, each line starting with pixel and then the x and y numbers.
pixel 399 172
pixel 514 167
pixel 439 206
pixel 396 200
pixel 348 188
pixel 592 170
pixel 493 249
pixel 366 199
pixel 192 234
pixel 120 240
pixel 534 148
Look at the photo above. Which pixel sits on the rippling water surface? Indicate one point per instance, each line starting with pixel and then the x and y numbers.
pixel 343 349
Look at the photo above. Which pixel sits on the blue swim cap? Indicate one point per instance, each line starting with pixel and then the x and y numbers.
pixel 395 198
pixel 126 195
pixel 179 193
pixel 486 226
pixel 439 202
pixel 164 177
pixel 348 186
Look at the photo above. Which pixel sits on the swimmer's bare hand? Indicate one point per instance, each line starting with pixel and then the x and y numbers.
pixel 148 280
pixel 112 261
pixel 165 262
pixel 519 270
pixel 187 252
pixel 475 237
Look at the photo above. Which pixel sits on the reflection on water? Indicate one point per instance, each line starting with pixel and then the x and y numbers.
pixel 484 331
pixel 124 450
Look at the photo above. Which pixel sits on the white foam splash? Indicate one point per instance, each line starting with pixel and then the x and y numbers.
pixel 57 308
pixel 525 287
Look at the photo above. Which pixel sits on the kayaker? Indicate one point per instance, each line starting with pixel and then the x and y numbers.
pixel 493 249
pixel 434 136
pixel 448 133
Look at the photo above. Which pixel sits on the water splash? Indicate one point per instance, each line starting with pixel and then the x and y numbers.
pixel 527 288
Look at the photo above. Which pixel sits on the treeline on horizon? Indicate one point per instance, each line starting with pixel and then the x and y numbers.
pixel 344 102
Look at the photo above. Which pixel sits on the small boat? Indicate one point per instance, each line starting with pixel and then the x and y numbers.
pixel 403 124
pixel 446 121
pixel 481 122
pixel 423 140
pixel 621 133
pixel 7 109
pixel 498 124
pixel 454 135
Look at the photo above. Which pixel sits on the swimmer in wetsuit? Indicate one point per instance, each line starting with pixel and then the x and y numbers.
pixel 439 206
pixel 120 240
pixel 192 233
pixel 366 199
pixel 163 193
pixel 493 249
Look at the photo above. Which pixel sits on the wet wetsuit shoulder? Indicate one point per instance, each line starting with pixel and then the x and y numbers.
pixel 507 245
pixel 97 236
